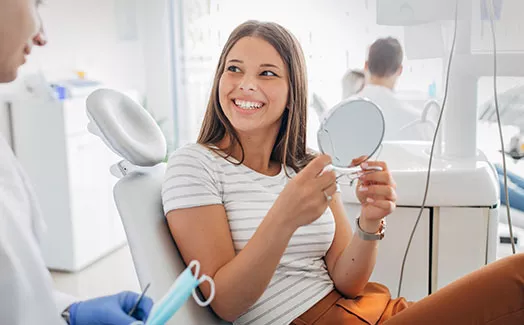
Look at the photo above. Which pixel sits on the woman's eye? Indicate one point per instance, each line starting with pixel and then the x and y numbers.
pixel 268 74
pixel 233 68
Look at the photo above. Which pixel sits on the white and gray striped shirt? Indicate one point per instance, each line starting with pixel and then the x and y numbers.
pixel 197 176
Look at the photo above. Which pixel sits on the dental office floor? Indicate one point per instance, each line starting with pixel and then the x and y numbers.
pixel 110 275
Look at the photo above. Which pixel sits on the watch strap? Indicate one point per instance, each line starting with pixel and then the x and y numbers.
pixel 369 236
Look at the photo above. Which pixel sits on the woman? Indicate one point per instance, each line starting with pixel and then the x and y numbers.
pixel 251 204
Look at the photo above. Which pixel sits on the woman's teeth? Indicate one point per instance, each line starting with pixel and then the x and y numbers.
pixel 247 105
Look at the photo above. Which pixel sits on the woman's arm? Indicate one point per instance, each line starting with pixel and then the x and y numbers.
pixel 203 234
pixel 350 260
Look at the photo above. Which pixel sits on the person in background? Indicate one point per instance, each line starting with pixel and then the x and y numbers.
pixel 26 293
pixel 384 67
pixel 353 82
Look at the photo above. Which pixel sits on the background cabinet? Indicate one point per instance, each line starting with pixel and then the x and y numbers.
pixel 69 169
pixel 449 243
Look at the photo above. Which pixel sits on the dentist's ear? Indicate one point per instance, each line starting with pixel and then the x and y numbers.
pixel 400 70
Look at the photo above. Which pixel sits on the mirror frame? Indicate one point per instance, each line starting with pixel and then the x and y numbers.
pixel 329 113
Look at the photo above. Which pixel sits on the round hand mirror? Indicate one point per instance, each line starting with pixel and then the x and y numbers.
pixel 351 132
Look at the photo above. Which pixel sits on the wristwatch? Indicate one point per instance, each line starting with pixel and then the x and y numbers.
pixel 66 315
pixel 368 236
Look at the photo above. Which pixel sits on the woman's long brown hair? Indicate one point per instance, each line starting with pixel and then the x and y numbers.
pixel 290 145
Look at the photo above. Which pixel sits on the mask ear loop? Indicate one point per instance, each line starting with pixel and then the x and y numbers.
pixel 211 295
pixel 195 264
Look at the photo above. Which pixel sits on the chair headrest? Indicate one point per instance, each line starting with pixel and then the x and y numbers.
pixel 125 127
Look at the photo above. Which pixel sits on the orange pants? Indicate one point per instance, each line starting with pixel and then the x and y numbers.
pixel 492 295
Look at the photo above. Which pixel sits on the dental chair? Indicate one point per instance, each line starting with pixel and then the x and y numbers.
pixel 129 131
pixel 424 127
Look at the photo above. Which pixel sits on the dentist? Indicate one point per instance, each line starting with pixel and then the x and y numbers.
pixel 26 293
pixel 384 67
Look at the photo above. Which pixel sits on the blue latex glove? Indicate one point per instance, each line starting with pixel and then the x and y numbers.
pixel 110 310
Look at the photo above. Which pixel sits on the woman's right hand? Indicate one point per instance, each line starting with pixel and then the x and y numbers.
pixel 305 197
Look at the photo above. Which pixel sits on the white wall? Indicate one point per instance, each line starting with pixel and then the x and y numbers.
pixel 93 36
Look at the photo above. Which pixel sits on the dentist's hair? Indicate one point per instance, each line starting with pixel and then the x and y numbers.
pixel 385 57
pixel 290 145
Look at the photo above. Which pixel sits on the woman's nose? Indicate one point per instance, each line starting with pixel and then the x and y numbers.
pixel 248 83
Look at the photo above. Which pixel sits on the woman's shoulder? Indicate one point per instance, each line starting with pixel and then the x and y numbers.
pixel 192 178
pixel 194 161
pixel 194 152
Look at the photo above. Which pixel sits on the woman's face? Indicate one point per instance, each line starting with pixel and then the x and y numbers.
pixel 20 28
pixel 253 89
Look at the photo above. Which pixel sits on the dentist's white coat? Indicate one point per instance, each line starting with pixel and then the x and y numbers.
pixel 26 293
pixel 397 115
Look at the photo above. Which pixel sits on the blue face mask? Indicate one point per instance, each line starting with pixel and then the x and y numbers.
pixel 183 287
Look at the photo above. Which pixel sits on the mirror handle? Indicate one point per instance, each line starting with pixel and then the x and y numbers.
pixel 349 170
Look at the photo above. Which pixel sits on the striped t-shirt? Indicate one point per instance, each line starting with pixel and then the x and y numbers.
pixel 197 176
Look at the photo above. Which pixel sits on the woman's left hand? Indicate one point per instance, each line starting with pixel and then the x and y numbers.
pixel 376 192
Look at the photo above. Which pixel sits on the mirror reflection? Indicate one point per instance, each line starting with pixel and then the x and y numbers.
pixel 351 132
